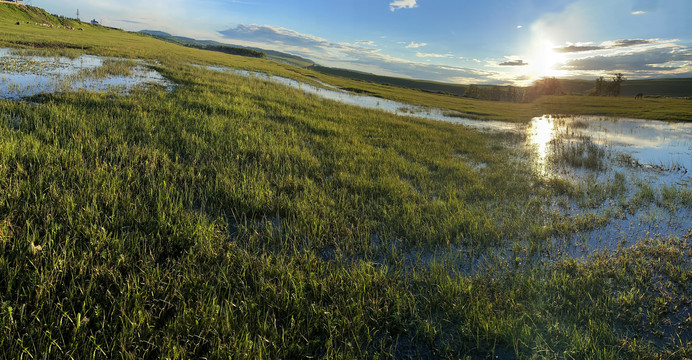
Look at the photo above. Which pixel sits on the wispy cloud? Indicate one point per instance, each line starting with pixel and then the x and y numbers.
pixel 644 6
pixel 353 56
pixel 272 35
pixel 414 45
pixel 582 47
pixel 402 4
pixel 513 63
pixel 661 58
pixel 433 55
pixel 131 22
pixel 651 59
pixel 628 43
pixel 577 48
pixel 365 42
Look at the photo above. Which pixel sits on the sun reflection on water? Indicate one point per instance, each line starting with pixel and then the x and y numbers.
pixel 540 134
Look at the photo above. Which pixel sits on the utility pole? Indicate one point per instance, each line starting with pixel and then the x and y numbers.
pixel 77 14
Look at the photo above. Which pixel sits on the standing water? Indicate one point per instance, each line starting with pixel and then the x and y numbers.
pixel 649 159
pixel 645 143
pixel 23 75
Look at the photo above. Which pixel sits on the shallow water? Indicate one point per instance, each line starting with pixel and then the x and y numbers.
pixel 655 153
pixel 661 149
pixel 656 145
pixel 371 102
pixel 645 154
pixel 23 76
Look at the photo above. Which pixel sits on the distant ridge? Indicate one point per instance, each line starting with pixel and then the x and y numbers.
pixel 671 87
pixel 424 85
pixel 218 46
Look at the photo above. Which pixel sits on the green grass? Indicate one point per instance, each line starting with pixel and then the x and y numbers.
pixel 658 87
pixel 109 67
pixel 99 40
pixel 658 108
pixel 236 218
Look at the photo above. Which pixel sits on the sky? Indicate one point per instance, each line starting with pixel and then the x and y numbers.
pixel 457 41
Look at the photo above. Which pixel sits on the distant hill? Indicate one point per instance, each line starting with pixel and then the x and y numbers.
pixel 227 48
pixel 671 87
pixel 424 85
pixel 654 87
pixel 663 87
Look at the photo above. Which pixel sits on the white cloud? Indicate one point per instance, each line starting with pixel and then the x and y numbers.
pixel 644 6
pixel 610 45
pixel 414 45
pixel 272 35
pixel 519 26
pixel 635 58
pixel 402 4
pixel 432 55
pixel 670 57
pixel 365 42
pixel 352 56
pixel 517 62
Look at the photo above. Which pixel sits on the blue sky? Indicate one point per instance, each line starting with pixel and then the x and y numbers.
pixel 491 41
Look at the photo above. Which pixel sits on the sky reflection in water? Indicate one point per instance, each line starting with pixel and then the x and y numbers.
pixel 664 145
pixel 649 144
pixel 26 75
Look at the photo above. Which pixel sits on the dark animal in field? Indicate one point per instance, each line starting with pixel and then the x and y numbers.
pixel 639 96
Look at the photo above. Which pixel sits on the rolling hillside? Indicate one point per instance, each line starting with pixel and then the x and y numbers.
pixel 669 87
pixel 32 14
pixel 430 86
pixel 662 87
pixel 205 44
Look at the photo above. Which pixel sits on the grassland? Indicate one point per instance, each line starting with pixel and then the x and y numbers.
pixel 236 218
pixel 99 40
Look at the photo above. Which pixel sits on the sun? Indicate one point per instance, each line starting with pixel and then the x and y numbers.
pixel 546 61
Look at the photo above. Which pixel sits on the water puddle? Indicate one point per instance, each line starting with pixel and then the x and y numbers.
pixel 330 92
pixel 646 144
pixel 661 149
pixel 623 169
pixel 646 158
pixel 636 172
pixel 23 75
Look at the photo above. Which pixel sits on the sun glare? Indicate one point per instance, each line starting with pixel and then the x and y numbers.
pixel 546 61
pixel 541 133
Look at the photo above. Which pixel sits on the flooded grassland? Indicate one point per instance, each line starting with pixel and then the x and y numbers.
pixel 25 73
pixel 243 215
pixel 631 176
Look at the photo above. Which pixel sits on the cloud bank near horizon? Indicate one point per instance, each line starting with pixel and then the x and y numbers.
pixel 581 47
pixel 580 38
pixel 634 57
pixel 351 56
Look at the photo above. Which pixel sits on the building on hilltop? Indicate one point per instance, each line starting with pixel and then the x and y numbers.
pixel 94 22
